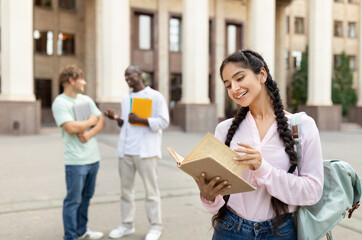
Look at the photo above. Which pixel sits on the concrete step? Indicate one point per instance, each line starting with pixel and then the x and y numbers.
pixel 350 126
pixel 345 126
pixel 49 130
pixel 174 128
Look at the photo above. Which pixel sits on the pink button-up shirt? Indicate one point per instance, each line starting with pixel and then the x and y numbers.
pixel 272 179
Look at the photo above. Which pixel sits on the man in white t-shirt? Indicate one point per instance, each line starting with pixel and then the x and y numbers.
pixel 139 148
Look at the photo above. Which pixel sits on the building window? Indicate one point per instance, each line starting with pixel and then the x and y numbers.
pixel 297 59
pixel 144 31
pixel 338 29
pixel 66 44
pixel 175 34
pixel 233 36
pixel 67 4
pixel 211 34
pixel 175 89
pixel 287 26
pixel 43 3
pixel 147 79
pixel 351 29
pixel 299 25
pixel 352 63
pixel 43 42
pixel 43 92
pixel 287 65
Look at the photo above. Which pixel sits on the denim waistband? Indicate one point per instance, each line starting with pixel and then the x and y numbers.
pixel 256 226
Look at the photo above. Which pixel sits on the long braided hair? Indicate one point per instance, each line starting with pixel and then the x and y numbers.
pixel 254 61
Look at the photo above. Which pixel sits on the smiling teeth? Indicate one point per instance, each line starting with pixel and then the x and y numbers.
pixel 241 95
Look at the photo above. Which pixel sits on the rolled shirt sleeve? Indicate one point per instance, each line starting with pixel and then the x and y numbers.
pixel 160 119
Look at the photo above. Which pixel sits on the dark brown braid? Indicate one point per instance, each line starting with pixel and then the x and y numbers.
pixel 252 60
pixel 239 117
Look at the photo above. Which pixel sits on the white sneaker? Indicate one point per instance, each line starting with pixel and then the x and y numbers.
pixel 153 235
pixel 89 234
pixel 121 231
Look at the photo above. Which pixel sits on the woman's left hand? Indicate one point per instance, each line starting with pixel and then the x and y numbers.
pixel 252 157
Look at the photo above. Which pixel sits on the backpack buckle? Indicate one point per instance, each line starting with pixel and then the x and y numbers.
pixel 295 132
pixel 354 207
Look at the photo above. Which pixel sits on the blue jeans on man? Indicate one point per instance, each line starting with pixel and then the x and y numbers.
pixel 80 181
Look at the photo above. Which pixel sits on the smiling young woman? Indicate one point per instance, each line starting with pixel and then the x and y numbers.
pixel 260 134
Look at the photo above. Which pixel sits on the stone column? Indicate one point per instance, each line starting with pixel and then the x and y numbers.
pixel 319 104
pixel 163 36
pixel 113 54
pixel 194 112
pixel 280 48
pixel 355 113
pixel 195 52
pixel 359 93
pixel 19 110
pixel 90 67
pixel 219 57
pixel 262 30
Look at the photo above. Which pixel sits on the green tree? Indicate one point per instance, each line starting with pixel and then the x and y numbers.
pixel 342 84
pixel 300 83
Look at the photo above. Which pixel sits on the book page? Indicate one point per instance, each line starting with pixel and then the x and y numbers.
pixel 213 168
pixel 211 146
pixel 175 155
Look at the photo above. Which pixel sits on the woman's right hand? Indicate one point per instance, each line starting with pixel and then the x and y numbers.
pixel 210 190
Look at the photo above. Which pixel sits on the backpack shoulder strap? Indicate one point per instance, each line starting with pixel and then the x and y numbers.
pixel 295 125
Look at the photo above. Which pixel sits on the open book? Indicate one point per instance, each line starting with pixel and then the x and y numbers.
pixel 215 159
pixel 142 107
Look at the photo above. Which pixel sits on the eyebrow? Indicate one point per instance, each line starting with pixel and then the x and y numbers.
pixel 237 73
pixel 233 76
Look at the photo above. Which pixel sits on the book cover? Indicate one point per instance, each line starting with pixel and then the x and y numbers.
pixel 215 159
pixel 82 111
pixel 142 107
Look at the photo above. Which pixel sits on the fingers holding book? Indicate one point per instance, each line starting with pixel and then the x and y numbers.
pixel 209 190
pixel 214 159
pixel 133 118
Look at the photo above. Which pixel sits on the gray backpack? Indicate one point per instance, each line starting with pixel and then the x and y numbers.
pixel 341 194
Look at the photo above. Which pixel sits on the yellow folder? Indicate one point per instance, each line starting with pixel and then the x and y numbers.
pixel 142 107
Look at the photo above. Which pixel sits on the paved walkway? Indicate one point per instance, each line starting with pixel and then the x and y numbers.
pixel 32 188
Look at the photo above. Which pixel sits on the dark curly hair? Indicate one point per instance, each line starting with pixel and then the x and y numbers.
pixel 254 61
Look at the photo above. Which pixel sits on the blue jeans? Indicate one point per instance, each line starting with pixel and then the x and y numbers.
pixel 80 181
pixel 233 227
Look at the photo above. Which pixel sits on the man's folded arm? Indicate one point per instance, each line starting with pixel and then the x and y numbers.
pixel 75 127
